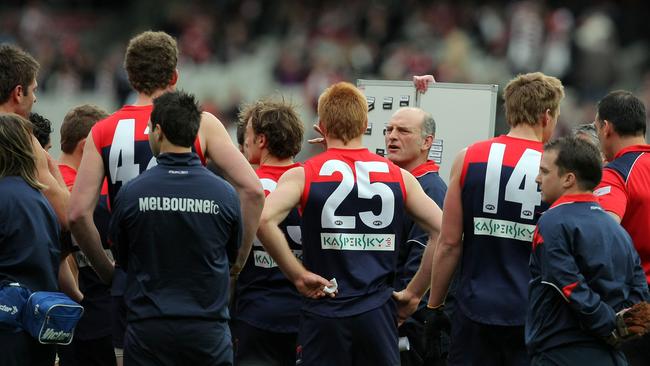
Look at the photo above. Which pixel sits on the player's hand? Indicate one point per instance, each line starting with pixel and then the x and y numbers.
pixel 631 323
pixel 318 140
pixel 406 303
pixel 422 82
pixel 313 286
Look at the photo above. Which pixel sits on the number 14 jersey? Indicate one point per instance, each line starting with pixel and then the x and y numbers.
pixel 122 140
pixel 501 205
pixel 352 214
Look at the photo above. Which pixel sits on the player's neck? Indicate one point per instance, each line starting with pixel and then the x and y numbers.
pixel 167 147
pixel 70 160
pixel 414 164
pixel 623 142
pixel 576 190
pixel 270 160
pixel 527 132
pixel 145 99
pixel 8 108
pixel 355 143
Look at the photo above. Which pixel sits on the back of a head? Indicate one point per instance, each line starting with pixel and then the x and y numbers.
pixel 179 116
pixel 77 124
pixel 588 132
pixel 42 128
pixel 579 157
pixel 624 111
pixel 343 111
pixel 150 61
pixel 279 122
pixel 16 150
pixel 17 67
pixel 528 96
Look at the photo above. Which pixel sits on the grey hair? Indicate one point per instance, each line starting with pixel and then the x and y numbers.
pixel 428 125
pixel 588 130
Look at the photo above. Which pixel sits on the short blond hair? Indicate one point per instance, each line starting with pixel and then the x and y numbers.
pixel 528 96
pixel 343 111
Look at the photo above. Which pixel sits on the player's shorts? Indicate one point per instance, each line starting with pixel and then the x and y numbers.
pixel 118 320
pixel 179 341
pixel 474 343
pixel 256 347
pixel 20 348
pixel 591 354
pixel 80 352
pixel 369 338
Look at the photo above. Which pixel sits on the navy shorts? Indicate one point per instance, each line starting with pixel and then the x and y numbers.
pixel 21 349
pixel 118 320
pixel 592 354
pixel 255 346
pixel 178 342
pixel 369 338
pixel 474 343
pixel 96 352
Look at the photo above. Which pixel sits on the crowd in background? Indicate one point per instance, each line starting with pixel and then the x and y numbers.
pixel 593 46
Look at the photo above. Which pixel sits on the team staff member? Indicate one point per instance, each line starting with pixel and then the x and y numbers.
pixel 92 344
pixel 491 208
pixel 29 236
pixel 624 191
pixel 352 204
pixel 176 227
pixel 18 95
pixel 268 304
pixel 117 149
pixel 584 267
pixel 409 135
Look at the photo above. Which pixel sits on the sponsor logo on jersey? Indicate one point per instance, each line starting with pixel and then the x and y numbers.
pixel 264 259
pixel 181 204
pixel 602 191
pixel 503 229
pixel 366 242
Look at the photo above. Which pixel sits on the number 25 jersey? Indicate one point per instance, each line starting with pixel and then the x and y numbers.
pixel 501 205
pixel 352 207
pixel 122 140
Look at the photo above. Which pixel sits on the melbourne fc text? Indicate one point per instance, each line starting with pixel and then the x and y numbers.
pixel 181 204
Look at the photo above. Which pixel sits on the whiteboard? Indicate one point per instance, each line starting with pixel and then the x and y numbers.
pixel 464 114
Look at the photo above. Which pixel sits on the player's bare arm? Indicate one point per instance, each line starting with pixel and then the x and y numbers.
pixel 82 205
pixel 276 208
pixel 220 149
pixel 426 213
pixel 450 244
pixel 55 192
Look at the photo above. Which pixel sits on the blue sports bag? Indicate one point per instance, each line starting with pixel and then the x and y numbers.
pixel 51 317
pixel 12 300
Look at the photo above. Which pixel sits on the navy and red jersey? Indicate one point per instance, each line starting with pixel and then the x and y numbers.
pixel 584 269
pixel 123 143
pixel 501 204
pixel 29 236
pixel 625 191
pixel 353 212
pixel 97 300
pixel 176 227
pixel 266 299
pixel 410 254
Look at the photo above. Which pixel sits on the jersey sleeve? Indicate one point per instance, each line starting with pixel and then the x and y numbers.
pixel 611 193
pixel 559 270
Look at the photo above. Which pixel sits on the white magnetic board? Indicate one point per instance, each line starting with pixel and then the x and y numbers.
pixel 464 114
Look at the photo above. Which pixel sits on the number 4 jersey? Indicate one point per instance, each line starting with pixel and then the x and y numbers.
pixel 352 207
pixel 501 205
pixel 122 140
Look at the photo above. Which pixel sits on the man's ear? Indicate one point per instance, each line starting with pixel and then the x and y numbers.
pixel 608 128
pixel 546 118
pixel 174 78
pixel 569 180
pixel 17 93
pixel 262 140
pixel 81 144
pixel 427 142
